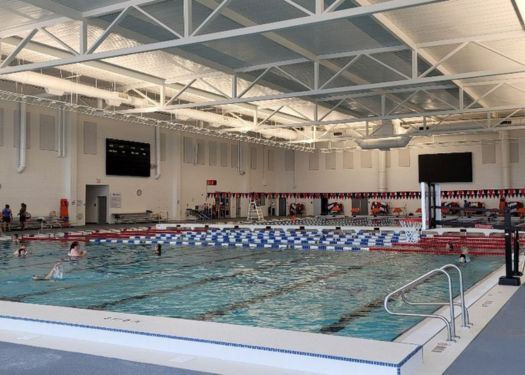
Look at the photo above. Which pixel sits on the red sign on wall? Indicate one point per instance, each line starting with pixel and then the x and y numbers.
pixel 211 182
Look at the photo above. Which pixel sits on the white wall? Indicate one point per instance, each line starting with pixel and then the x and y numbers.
pixel 230 179
pixel 48 178
pixel 358 179
pixel 41 185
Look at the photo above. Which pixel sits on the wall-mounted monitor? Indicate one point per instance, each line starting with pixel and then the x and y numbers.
pixel 453 167
pixel 126 158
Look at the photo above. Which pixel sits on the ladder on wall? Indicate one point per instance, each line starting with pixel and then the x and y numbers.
pixel 254 212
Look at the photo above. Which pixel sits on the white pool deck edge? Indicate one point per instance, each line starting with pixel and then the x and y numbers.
pixel 300 351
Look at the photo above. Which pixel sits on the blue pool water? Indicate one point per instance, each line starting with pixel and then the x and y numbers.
pixel 337 293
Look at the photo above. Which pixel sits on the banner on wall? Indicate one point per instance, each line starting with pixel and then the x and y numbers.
pixel 391 195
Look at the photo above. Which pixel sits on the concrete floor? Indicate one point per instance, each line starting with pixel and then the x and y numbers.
pixel 27 360
pixel 500 347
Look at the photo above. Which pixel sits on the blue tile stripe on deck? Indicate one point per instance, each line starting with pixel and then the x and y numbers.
pixel 223 343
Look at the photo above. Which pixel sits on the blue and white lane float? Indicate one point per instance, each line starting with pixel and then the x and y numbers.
pixel 278 239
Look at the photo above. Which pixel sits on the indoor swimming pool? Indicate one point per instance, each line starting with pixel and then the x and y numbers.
pixel 330 292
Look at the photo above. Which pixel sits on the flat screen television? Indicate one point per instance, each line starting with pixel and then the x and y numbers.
pixel 127 158
pixel 453 167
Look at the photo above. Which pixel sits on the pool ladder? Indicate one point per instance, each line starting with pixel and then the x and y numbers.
pixel 449 322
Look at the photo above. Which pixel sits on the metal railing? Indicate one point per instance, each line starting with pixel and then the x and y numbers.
pixel 449 322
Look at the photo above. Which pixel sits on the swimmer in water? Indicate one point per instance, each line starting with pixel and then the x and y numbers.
pixel 56 272
pixel 22 250
pixel 75 252
pixel 464 258
pixel 158 249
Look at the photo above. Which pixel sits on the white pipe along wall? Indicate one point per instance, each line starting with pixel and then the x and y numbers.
pixel 22 139
pixel 505 159
pixel 157 152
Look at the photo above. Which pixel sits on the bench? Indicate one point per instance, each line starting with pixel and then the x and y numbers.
pixel 133 217
pixel 40 222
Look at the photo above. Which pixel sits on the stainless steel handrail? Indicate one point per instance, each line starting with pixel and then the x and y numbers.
pixel 464 310
pixel 450 324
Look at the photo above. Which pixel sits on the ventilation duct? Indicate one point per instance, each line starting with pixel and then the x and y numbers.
pixel 59 86
pixel 385 143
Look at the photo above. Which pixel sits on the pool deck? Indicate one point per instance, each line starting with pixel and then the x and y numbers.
pixel 500 346
pixel 17 359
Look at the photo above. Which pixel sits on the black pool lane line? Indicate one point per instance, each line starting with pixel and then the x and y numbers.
pixel 274 293
pixel 347 318
pixel 20 298
pixel 204 281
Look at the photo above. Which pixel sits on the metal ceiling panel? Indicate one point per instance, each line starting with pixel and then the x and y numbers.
pixel 16 13
pixel 453 19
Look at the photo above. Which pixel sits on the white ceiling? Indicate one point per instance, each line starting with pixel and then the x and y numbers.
pixel 478 44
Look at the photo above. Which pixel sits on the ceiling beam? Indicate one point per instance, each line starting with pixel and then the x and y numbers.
pixel 354 120
pixel 115 8
pixel 56 8
pixel 309 94
pixel 387 23
pixel 228 34
pixel 140 76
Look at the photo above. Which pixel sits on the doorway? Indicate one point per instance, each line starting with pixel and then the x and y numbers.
pixel 282 206
pixel 317 206
pixel 324 206
pixel 362 204
pixel 97 204
pixel 102 210
pixel 237 207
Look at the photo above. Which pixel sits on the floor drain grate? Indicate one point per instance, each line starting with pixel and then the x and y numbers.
pixel 440 348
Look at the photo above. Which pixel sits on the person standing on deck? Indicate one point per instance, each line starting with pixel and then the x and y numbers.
pixel 23 216
pixel 7 218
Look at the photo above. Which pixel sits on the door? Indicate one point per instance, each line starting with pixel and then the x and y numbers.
pixel 324 206
pixel 238 207
pixel 102 210
pixel 93 193
pixel 317 206
pixel 282 206
pixel 362 204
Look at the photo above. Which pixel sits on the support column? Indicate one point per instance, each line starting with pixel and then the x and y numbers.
pixel 175 153
pixel 439 215
pixel 424 206
pixel 381 178
pixel 505 159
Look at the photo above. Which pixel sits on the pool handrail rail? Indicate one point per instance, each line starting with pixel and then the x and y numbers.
pixel 464 310
pixel 450 324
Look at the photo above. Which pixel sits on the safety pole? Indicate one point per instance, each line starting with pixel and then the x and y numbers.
pixel 509 278
pixel 517 253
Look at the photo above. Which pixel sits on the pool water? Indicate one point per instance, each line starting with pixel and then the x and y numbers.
pixel 339 293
